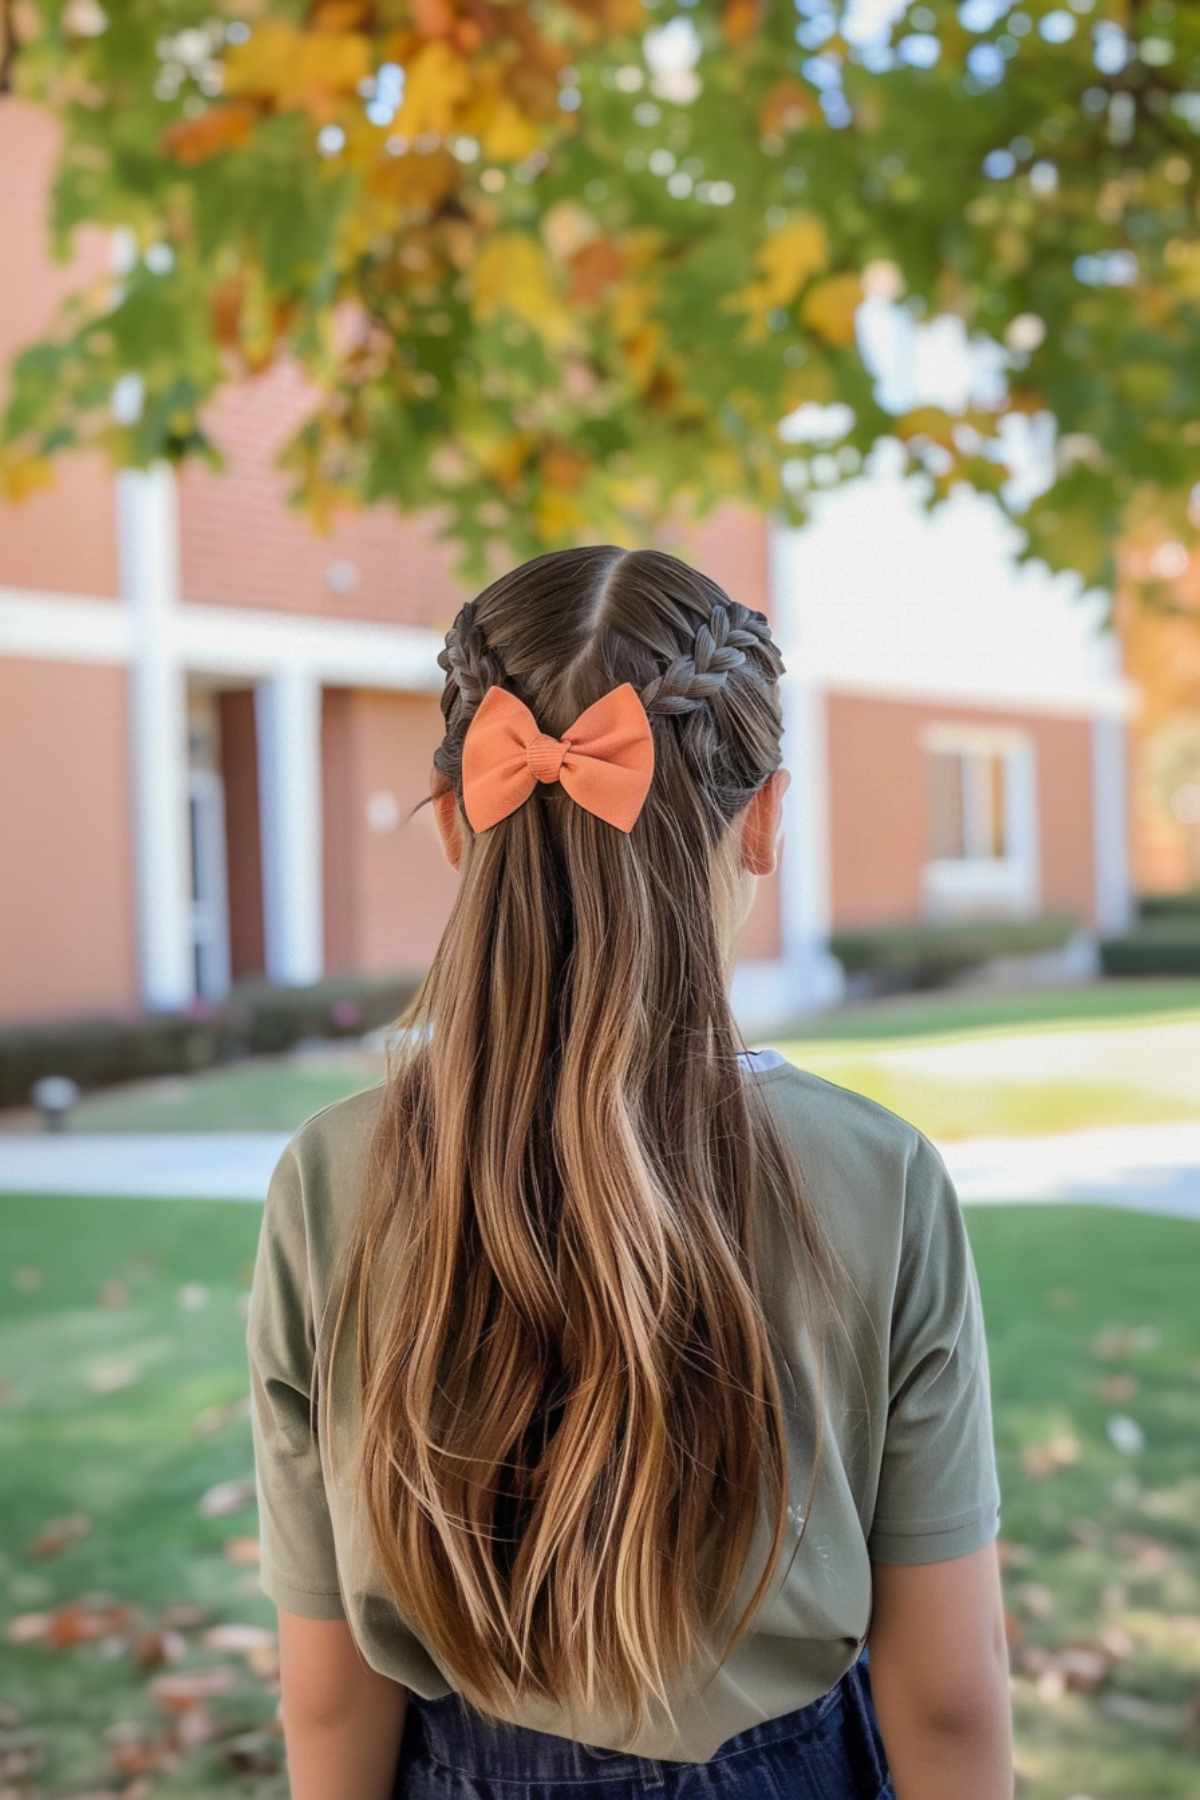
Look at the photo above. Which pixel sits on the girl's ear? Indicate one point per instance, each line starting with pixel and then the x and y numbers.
pixel 445 811
pixel 761 822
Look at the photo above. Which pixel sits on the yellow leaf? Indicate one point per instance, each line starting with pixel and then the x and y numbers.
pixel 503 458
pixel 787 260
pixel 438 81
pixel 504 131
pixel 791 255
pixel 830 308
pixel 21 476
pixel 301 70
pixel 511 274
pixel 557 515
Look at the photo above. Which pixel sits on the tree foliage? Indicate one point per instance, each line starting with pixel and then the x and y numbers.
pixel 554 268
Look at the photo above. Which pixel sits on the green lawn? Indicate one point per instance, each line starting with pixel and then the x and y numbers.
pixel 956 1064
pixel 121 1350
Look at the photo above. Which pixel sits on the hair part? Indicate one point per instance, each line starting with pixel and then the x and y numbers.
pixel 570 1401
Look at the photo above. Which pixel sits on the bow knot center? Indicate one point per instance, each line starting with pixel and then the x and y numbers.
pixel 544 756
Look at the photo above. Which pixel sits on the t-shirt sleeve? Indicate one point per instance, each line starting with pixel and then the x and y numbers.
pixel 939 1492
pixel 297 1562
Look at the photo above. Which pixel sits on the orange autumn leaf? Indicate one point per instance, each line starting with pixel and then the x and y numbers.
pixel 434 18
pixel 786 106
pixel 193 141
pixel 740 19
pixel 593 269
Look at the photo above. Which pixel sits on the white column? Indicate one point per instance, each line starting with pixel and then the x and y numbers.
pixel 148 554
pixel 815 976
pixel 806 975
pixel 287 714
pixel 1110 823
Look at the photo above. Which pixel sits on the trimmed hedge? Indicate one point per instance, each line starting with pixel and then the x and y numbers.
pixel 1182 905
pixel 929 953
pixel 258 1018
pixel 1164 946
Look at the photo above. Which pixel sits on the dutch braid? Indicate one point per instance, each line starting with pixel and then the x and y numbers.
pixel 469 661
pixel 720 645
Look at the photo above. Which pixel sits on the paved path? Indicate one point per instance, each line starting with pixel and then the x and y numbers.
pixel 1155 1168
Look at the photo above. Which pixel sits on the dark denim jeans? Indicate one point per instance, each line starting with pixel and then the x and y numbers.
pixel 828 1750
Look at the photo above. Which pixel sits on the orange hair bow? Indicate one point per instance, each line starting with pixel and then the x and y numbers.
pixel 604 760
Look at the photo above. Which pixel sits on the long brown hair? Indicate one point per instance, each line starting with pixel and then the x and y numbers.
pixel 570 1404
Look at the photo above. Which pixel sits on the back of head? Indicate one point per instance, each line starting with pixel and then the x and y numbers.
pixel 570 1404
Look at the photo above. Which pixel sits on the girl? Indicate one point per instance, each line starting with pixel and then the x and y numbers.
pixel 565 1334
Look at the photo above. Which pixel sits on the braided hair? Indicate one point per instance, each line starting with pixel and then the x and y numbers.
pixel 731 637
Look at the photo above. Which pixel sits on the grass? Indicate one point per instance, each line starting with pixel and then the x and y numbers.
pixel 1073 1298
pixel 956 1010
pixel 1047 1060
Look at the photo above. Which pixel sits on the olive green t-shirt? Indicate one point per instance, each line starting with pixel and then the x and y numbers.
pixel 908 1472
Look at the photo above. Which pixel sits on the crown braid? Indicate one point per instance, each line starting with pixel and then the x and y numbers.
pixel 720 645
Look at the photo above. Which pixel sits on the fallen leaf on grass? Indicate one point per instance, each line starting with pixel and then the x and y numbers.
pixel 1078 1668
pixel 28 1628
pixel 82 1621
pixel 242 1551
pixel 183 1616
pixel 1036 1599
pixel 21 1756
pixel 1147 1554
pixel 153 1648
pixel 1125 1340
pixel 27 1280
pixel 110 1377
pixel 1053 1453
pixel 57 1534
pixel 1012 1555
pixel 1115 1388
pixel 114 1293
pixel 190 1687
pixel 228 1497
pixel 238 1638
pixel 253 1753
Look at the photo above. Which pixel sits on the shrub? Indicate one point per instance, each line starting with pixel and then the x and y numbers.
pixel 1165 946
pixel 258 1018
pixel 929 953
pixel 1182 905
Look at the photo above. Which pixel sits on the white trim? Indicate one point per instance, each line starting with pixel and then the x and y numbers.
pixel 287 716
pixel 1106 699
pixel 1110 825
pixel 234 641
pixel 60 628
pixel 147 540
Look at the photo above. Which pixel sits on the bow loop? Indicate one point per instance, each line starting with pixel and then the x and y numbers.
pixel 605 760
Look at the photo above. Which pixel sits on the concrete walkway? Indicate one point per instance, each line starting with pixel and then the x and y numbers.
pixel 1154 1168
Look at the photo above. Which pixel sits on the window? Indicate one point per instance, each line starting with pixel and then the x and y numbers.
pixel 981 853
pixel 968 804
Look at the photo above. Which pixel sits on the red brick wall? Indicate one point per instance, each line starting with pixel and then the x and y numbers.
pixel 387 891
pixel 67 897
pixel 879 805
